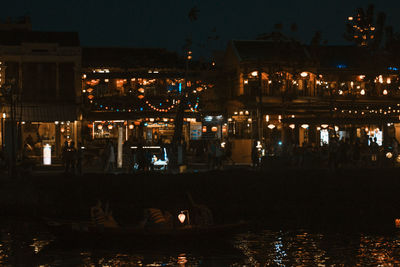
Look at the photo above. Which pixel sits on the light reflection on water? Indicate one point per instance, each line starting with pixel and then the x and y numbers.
pixel 266 248
pixel 300 248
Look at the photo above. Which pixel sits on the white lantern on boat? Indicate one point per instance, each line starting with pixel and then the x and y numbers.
pixel 182 217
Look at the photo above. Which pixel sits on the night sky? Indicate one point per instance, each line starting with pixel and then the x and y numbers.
pixel 162 23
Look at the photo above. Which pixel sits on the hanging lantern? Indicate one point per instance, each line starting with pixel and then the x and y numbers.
pixel 99 126
pixel 362 92
pixel 140 96
pixel 304 126
pixel 182 217
pixel 131 126
pixel 110 127
pixel 385 92
pixel 271 126
pixel 292 126
pixel 303 74
pixel 90 97
pixel 324 126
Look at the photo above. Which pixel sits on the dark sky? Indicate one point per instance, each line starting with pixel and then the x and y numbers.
pixel 164 23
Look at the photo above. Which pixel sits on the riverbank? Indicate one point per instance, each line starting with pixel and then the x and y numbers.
pixel 355 199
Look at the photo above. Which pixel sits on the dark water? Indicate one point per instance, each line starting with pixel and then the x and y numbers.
pixel 23 244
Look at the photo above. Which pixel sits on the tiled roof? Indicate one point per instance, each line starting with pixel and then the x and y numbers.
pixel 129 57
pixel 17 37
pixel 270 50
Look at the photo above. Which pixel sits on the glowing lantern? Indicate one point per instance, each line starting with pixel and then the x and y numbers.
pixel 340 92
pixel 303 74
pixel 141 90
pixel 99 126
pixel 385 92
pixel 110 126
pixel 398 159
pixel 89 90
pixel 90 97
pixel 204 129
pixel 336 128
pixel 182 217
pixel 292 126
pixel 254 73
pixel 324 126
pixel 271 126
pixel 362 92
pixel 214 128
pixel 397 223
pixel 267 118
pixel 304 126
pixel 131 126
pixel 62 130
pixel 140 96
pixel 389 155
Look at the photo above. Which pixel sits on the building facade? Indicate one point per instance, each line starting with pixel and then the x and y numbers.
pixel 40 89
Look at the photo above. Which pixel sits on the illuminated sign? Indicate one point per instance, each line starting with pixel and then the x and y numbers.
pixel 47 155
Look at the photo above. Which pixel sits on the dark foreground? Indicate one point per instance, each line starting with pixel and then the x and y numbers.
pixel 354 200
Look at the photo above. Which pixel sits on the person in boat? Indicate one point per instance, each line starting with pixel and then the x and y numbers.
pixel 156 219
pixel 200 214
pixel 102 217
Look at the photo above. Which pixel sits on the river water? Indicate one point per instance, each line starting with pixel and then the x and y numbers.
pixel 23 244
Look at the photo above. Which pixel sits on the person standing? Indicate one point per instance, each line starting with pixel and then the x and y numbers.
pixel 79 159
pixel 110 157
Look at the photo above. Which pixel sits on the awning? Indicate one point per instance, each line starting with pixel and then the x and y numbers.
pixel 43 112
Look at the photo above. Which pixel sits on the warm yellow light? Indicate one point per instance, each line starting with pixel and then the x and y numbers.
pixel 254 73
pixel 106 80
pixel 214 128
pixel 99 126
pixel 350 18
pixel 110 127
pixel 271 126
pixel 303 74
pixel 182 217
pixel 131 126
pixel 361 77
pixel 389 155
pixel 362 92
pixel 340 92
pixel 336 128
pixel 324 126
pixel 304 126
pixel 388 81
pixel 246 81
pixel 267 118
pixel 385 92
pixel 292 126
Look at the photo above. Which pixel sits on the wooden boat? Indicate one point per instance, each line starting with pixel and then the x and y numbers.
pixel 85 232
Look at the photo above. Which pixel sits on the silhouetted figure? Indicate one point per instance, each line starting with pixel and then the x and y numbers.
pixel 254 155
pixel 79 159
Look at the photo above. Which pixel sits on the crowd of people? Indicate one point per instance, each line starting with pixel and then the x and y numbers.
pixel 341 153
pixel 216 154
